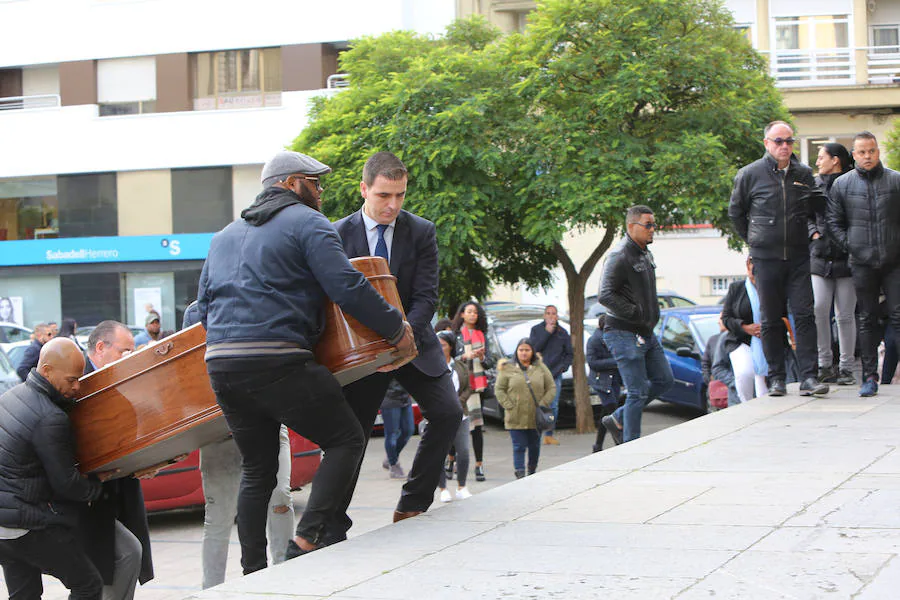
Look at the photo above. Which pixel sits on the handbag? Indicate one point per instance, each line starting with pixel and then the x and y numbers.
pixel 543 415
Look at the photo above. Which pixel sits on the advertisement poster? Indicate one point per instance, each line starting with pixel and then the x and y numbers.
pixel 146 300
pixel 11 310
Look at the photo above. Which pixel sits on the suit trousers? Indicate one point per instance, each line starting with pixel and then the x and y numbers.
pixel 440 406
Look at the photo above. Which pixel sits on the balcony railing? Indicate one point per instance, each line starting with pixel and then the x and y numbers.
pixel 834 66
pixel 36 101
pixel 337 81
pixel 884 64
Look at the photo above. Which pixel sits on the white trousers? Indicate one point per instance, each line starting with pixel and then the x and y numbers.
pixel 749 385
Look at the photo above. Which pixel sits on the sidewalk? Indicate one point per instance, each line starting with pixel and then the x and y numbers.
pixel 779 498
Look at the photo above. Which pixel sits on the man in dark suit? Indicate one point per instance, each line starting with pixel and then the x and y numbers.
pixel 114 528
pixel 42 334
pixel 382 228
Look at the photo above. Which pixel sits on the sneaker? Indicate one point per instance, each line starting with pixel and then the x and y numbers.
pixel 845 377
pixel 445 496
pixel 549 440
pixel 868 388
pixel 610 423
pixel 385 464
pixel 828 374
pixel 812 387
pixel 448 468
pixel 479 473
pixel 397 472
pixel 462 493
pixel 777 388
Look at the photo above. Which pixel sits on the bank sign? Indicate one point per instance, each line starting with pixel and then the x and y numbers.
pixel 138 248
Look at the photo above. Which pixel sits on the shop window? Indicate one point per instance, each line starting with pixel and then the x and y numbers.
pixel 29 209
pixel 237 79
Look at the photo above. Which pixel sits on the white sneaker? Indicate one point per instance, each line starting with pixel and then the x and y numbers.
pixel 462 493
pixel 445 496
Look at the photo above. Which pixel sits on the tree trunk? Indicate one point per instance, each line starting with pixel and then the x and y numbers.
pixel 576 281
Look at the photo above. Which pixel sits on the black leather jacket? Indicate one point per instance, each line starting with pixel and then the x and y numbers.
pixel 40 485
pixel 628 289
pixel 826 258
pixel 770 212
pixel 864 215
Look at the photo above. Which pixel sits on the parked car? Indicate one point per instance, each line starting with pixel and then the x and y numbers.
pixel 16 351
pixel 683 333
pixel 11 333
pixel 180 485
pixel 667 299
pixel 8 377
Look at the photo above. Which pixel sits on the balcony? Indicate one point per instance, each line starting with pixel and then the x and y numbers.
pixel 835 66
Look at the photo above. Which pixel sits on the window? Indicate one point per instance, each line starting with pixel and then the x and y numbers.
pixel 746 30
pixel 886 39
pixel 812 48
pixel 237 79
pixel 29 209
pixel 719 285
pixel 126 86
pixel 677 335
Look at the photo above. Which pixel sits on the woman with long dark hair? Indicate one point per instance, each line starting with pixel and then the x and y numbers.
pixel 470 326
pixel 831 281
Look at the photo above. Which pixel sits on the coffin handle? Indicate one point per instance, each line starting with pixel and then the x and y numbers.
pixel 163 349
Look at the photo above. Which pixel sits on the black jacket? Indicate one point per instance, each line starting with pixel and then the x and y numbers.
pixel 121 500
pixel 708 358
pixel 604 377
pixel 771 212
pixel 29 359
pixel 555 348
pixel 864 216
pixel 826 258
pixel 628 289
pixel 40 485
pixel 414 261
pixel 737 311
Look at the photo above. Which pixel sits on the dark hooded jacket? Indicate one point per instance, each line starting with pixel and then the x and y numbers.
pixel 826 258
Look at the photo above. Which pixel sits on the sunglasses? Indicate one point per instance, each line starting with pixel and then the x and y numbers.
pixel 315 180
pixel 647 225
pixel 779 141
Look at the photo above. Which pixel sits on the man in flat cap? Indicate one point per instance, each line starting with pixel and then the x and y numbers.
pixel 261 297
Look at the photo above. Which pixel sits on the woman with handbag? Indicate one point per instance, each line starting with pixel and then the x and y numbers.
pixel 470 326
pixel 524 385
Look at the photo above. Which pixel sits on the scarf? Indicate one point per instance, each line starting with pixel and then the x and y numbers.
pixel 269 203
pixel 474 340
pixel 760 366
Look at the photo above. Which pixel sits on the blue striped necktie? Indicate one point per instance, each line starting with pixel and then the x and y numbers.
pixel 381 246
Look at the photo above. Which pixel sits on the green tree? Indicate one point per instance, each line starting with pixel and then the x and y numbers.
pixel 512 142
pixel 892 147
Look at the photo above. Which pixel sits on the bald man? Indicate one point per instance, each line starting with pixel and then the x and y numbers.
pixel 40 486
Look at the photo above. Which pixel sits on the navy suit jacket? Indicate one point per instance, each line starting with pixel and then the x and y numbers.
pixel 414 262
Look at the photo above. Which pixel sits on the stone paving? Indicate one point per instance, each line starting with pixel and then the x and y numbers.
pixel 779 498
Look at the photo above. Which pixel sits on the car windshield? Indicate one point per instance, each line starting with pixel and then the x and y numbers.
pixel 705 327
pixel 6 367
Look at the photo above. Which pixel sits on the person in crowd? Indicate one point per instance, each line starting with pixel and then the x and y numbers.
pixel 604 379
pixel 722 368
pixel 864 220
pixel 460 376
pixel 771 202
pixel 151 332
pixel 399 427
pixel 40 486
pixel 471 328
pixel 741 314
pixel 522 383
pixel 42 334
pixel 553 343
pixel 891 356
pixel 831 279
pixel 709 351
pixel 443 325
pixel 409 245
pixel 628 290
pixel 282 259
pixel 7 311
pixel 67 330
pixel 114 528
pixel 220 472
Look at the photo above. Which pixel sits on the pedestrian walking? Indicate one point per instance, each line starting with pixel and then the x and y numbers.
pixel 553 343
pixel 460 376
pixel 399 426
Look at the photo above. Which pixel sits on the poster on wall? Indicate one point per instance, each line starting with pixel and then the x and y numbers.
pixel 146 300
pixel 11 310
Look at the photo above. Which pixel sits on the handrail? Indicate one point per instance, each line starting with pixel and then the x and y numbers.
pixel 33 101
pixel 337 81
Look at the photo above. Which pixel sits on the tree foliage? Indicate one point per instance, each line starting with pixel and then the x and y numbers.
pixel 513 141
pixel 892 147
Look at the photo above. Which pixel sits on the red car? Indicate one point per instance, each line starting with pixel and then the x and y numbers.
pixel 179 486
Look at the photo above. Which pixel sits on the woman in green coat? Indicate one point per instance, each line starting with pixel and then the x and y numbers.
pixel 514 377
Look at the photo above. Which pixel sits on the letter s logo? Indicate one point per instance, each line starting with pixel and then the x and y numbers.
pixel 174 247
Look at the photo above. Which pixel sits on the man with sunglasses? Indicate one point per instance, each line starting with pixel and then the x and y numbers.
pixel 771 202
pixel 628 291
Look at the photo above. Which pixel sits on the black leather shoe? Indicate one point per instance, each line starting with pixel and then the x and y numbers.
pixel 610 424
pixel 813 387
pixel 777 388
pixel 293 550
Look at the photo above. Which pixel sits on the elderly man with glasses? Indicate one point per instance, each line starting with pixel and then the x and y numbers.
pixel 772 200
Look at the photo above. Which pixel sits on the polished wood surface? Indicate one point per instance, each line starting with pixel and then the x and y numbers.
pixel 349 349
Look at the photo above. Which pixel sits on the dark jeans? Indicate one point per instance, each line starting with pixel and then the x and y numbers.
pixel 308 399
pixel 440 405
pixel 54 551
pixel 890 355
pixel 399 426
pixel 779 282
pixel 869 283
pixel 645 373
pixel 522 440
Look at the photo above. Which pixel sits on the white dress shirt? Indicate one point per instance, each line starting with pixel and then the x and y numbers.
pixel 372 234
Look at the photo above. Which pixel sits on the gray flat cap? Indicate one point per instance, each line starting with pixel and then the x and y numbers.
pixel 287 163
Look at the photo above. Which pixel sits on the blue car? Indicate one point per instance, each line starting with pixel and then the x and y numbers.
pixel 683 333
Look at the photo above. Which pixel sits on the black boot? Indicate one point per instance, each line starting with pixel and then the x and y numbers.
pixel 531 469
pixel 520 474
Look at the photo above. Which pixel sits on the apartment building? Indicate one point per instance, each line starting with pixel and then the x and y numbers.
pixel 132 130
pixel 837 63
